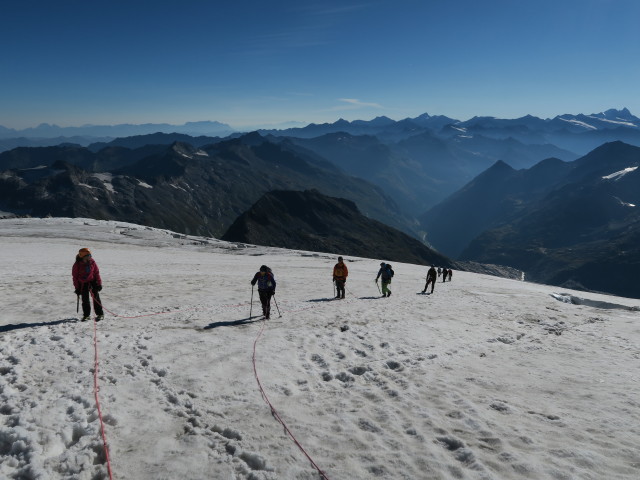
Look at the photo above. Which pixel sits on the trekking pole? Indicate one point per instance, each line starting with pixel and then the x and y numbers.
pixel 378 286
pixel 251 308
pixel 334 288
pixel 274 301
pixel 78 304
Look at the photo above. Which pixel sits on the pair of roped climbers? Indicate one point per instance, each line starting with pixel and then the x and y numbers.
pixel 446 275
pixel 340 274
pixel 266 288
pixel 386 273
pixel 87 282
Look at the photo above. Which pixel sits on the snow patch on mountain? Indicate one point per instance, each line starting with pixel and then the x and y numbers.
pixel 623 203
pixel 578 123
pixel 619 121
pixel 106 179
pixel 619 174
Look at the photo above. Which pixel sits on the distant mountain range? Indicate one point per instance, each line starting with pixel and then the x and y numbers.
pixel 179 186
pixel 46 130
pixel 578 133
pixel 417 161
pixel 549 197
pixel 565 223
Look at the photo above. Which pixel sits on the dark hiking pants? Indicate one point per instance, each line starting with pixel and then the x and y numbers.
pixel 265 300
pixel 86 290
pixel 431 281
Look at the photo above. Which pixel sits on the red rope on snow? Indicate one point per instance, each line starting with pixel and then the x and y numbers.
pixel 96 388
pixel 275 413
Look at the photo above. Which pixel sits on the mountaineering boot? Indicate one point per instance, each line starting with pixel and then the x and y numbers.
pixel 99 317
pixel 389 294
pixel 84 318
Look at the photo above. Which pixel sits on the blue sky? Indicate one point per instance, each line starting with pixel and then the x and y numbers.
pixel 252 63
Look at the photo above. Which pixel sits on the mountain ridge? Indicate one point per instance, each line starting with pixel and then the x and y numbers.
pixel 560 222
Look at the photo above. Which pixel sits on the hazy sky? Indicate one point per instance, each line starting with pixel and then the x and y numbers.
pixel 250 63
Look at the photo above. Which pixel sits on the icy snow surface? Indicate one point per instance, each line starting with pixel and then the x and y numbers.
pixel 486 378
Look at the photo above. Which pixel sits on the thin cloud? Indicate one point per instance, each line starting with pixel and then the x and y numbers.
pixel 354 104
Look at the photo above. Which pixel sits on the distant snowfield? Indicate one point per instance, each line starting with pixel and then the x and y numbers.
pixel 487 378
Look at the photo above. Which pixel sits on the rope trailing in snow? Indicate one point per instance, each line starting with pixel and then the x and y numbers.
pixel 96 389
pixel 275 413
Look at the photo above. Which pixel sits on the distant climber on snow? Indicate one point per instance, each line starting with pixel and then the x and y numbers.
pixel 431 279
pixel 340 274
pixel 266 288
pixel 87 281
pixel 386 272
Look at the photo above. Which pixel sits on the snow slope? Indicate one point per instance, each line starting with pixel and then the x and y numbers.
pixel 487 378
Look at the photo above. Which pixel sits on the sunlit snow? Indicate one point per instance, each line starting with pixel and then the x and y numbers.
pixel 487 378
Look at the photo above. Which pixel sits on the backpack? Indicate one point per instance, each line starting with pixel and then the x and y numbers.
pixel 267 282
pixel 387 274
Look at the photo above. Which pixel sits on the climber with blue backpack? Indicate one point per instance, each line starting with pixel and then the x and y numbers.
pixel 266 288
pixel 386 272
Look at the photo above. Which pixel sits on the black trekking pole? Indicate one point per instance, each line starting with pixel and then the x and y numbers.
pixel 251 308
pixel 274 301
pixel 376 280
pixel 78 304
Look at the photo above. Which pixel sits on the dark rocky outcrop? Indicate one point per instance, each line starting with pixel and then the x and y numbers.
pixel 308 220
